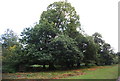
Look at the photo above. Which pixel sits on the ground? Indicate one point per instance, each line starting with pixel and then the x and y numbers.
pixel 95 72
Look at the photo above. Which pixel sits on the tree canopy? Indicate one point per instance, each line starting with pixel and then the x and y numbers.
pixel 55 41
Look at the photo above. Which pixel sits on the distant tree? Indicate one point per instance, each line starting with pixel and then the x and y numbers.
pixel 118 53
pixel 10 51
pixel 118 57
pixel 100 42
pixel 105 52
pixel 81 42
pixel 98 38
pixel 90 52
pixel 107 58
pixel 9 38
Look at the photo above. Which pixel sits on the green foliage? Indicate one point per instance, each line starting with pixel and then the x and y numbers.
pixel 12 59
pixel 107 58
pixel 64 51
pixel 11 51
pixel 9 38
pixel 90 52
pixel 36 41
pixel 55 41
pixel 7 68
pixel 63 17
pixel 106 55
pixel 39 40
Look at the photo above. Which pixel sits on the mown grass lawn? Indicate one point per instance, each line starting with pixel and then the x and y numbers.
pixel 96 72
pixel 109 72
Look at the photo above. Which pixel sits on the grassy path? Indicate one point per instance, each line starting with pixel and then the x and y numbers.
pixel 97 72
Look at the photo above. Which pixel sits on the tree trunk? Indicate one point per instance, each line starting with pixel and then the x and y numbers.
pixel 51 66
pixel 44 66
pixel 78 64
pixel 72 65
pixel 86 64
pixel 21 68
pixel 68 65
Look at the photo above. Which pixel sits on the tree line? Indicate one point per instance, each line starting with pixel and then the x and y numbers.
pixel 57 40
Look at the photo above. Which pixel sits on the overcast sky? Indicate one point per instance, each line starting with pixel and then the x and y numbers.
pixel 95 16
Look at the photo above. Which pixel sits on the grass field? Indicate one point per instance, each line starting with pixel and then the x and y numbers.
pixel 95 72
pixel 105 73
